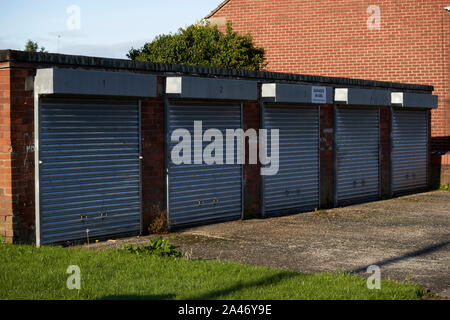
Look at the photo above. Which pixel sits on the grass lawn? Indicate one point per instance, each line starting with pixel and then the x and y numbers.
pixel 27 272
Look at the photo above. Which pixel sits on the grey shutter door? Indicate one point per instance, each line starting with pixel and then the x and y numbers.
pixel 203 193
pixel 296 186
pixel 357 154
pixel 90 171
pixel 409 150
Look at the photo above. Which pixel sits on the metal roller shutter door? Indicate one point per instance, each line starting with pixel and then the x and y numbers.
pixel 90 171
pixel 357 154
pixel 201 193
pixel 296 186
pixel 409 150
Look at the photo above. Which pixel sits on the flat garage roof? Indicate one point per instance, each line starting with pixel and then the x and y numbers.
pixel 54 59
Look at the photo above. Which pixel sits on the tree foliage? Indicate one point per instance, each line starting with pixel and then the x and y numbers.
pixel 203 44
pixel 32 46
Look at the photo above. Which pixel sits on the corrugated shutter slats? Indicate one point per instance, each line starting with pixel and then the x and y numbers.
pixel 357 154
pixel 89 176
pixel 200 193
pixel 296 186
pixel 409 150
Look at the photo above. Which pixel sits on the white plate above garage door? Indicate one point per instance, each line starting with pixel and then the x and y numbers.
pixel 296 185
pixel 357 154
pixel 90 171
pixel 201 193
pixel 409 150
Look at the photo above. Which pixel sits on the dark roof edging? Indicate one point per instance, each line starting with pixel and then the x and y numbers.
pixel 220 6
pixel 86 61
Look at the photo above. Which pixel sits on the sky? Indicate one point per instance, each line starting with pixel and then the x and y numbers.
pixel 97 27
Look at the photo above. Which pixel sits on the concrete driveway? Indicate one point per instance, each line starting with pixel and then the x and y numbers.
pixel 408 237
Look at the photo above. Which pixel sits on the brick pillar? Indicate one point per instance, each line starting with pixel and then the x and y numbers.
pixel 327 156
pixel 252 185
pixel 153 163
pixel 22 156
pixel 6 223
pixel 385 152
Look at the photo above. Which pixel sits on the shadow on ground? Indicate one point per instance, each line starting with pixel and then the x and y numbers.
pixel 409 255
pixel 216 294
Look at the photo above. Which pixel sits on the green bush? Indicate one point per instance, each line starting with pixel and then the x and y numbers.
pixel 203 44
pixel 158 246
pixel 2 239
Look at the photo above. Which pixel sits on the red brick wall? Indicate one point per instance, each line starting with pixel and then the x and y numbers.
pixel 252 180
pixel 331 38
pixel 153 164
pixel 16 155
pixel 6 224
pixel 22 143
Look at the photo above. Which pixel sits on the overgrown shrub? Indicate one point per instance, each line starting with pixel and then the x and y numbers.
pixel 203 44
pixel 158 220
pixel 158 246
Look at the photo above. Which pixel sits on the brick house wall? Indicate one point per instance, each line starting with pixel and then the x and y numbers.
pixel 332 38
